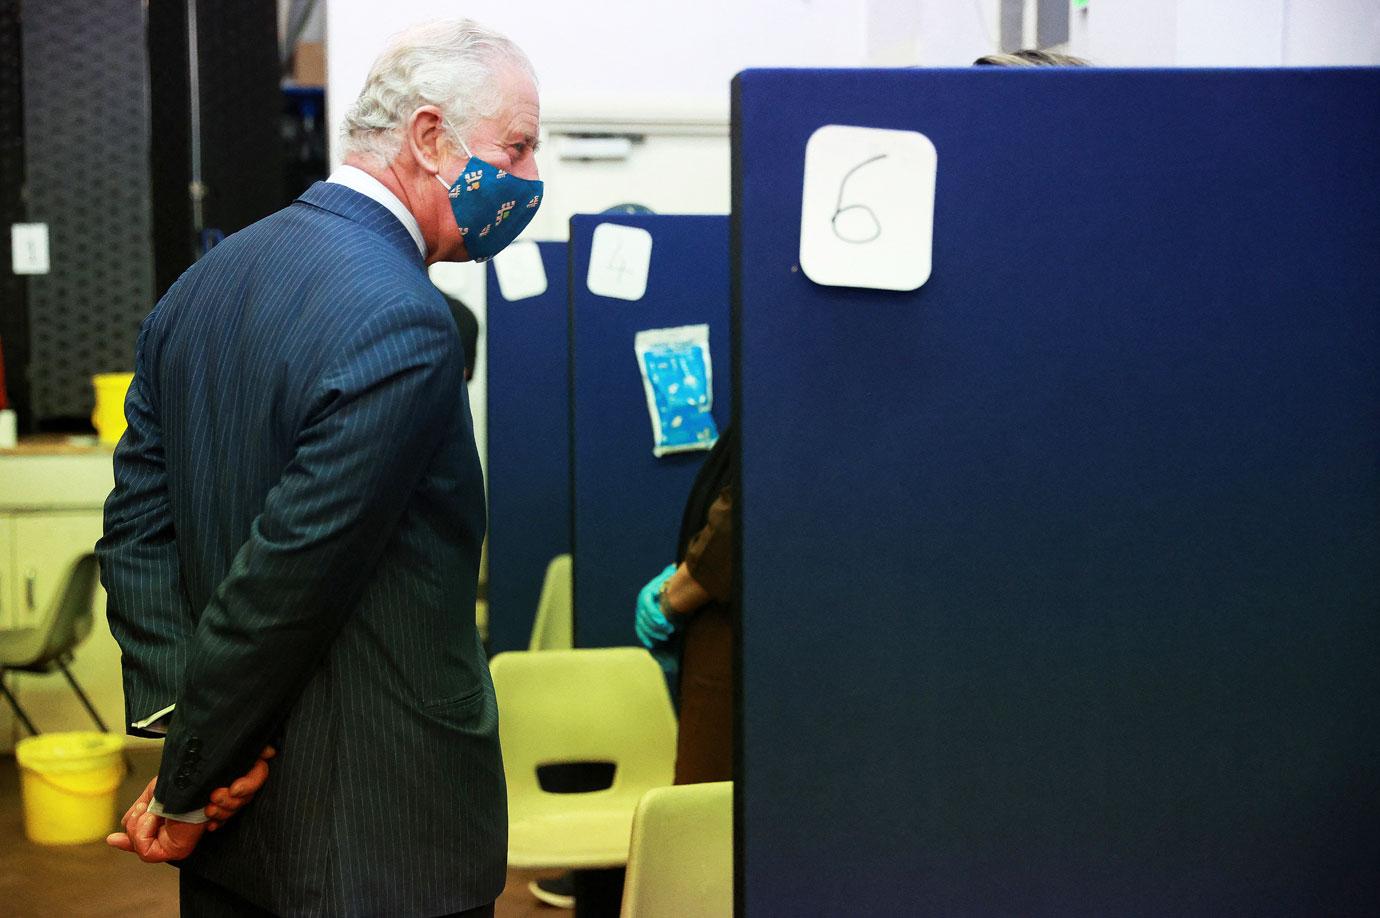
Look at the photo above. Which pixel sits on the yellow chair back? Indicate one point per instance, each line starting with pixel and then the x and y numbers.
pixel 554 627
pixel 594 705
pixel 681 862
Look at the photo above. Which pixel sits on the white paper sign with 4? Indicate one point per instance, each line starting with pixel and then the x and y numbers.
pixel 620 258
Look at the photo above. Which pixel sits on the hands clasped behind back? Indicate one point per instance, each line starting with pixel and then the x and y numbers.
pixel 157 839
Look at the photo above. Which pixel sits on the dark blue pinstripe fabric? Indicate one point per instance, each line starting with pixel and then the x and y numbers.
pixel 291 553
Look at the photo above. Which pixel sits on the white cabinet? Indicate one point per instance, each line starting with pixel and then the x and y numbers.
pixel 51 514
pixel 45 546
pixel 8 603
pixel 7 606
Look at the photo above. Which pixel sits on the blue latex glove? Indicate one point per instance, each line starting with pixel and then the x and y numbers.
pixel 653 627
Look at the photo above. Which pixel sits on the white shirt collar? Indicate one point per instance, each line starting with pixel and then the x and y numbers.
pixel 358 180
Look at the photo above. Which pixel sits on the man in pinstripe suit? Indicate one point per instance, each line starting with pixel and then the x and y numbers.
pixel 292 546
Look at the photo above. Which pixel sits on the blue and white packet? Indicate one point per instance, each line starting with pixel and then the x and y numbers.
pixel 678 378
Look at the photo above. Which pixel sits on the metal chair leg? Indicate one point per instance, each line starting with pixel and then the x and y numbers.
pixel 81 696
pixel 90 708
pixel 14 703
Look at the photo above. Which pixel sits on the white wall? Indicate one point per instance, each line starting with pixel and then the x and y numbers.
pixel 1331 32
pixel 610 57
pixel 955 34
pixel 1227 33
pixel 657 68
pixel 1125 33
pixel 1146 33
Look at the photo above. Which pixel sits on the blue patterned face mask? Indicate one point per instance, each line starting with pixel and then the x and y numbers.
pixel 491 206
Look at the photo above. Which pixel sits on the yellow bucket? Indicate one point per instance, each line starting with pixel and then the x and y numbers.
pixel 109 416
pixel 69 782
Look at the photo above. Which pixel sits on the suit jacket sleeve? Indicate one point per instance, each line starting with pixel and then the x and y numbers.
pixel 379 413
pixel 147 606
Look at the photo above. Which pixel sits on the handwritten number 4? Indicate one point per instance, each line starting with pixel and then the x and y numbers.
pixel 617 263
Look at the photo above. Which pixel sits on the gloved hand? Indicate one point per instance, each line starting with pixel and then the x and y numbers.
pixel 652 626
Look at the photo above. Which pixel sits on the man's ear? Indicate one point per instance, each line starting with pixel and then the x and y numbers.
pixel 426 137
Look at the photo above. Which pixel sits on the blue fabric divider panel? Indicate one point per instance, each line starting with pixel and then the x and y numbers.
pixel 528 352
pixel 627 503
pixel 1062 573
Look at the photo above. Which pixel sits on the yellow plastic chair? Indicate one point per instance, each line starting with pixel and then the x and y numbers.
pixel 554 627
pixel 681 863
pixel 564 706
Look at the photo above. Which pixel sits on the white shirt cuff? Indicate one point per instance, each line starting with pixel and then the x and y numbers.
pixel 195 816
pixel 155 723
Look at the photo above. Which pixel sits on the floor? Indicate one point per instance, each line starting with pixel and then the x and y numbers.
pixel 87 881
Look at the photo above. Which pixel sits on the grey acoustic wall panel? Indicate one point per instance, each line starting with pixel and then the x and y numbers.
pixel 1012 25
pixel 14 314
pixel 87 163
pixel 241 112
pixel 1052 23
pixel 240 154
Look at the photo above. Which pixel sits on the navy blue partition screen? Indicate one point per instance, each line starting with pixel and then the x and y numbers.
pixel 1066 601
pixel 627 503
pixel 529 447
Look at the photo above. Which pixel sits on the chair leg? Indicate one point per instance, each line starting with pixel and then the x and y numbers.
pixel 85 702
pixel 91 709
pixel 14 703
pixel 599 893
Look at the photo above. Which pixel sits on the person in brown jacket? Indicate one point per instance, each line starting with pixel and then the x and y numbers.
pixel 691 606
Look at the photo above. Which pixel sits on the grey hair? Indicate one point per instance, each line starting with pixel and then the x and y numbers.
pixel 455 64
pixel 1031 58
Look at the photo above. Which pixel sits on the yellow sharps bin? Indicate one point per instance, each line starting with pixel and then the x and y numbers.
pixel 109 416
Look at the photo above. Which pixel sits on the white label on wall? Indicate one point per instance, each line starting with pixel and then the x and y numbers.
pixel 520 271
pixel 619 260
pixel 867 212
pixel 29 246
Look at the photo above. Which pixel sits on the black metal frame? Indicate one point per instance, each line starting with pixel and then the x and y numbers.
pixel 14 703
pixel 61 665
pixel 76 688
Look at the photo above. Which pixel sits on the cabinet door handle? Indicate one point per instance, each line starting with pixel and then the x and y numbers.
pixel 30 579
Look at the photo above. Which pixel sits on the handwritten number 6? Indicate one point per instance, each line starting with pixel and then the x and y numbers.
pixel 857 235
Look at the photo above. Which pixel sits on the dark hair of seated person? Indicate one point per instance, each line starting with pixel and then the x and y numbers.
pixel 1030 57
pixel 468 326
